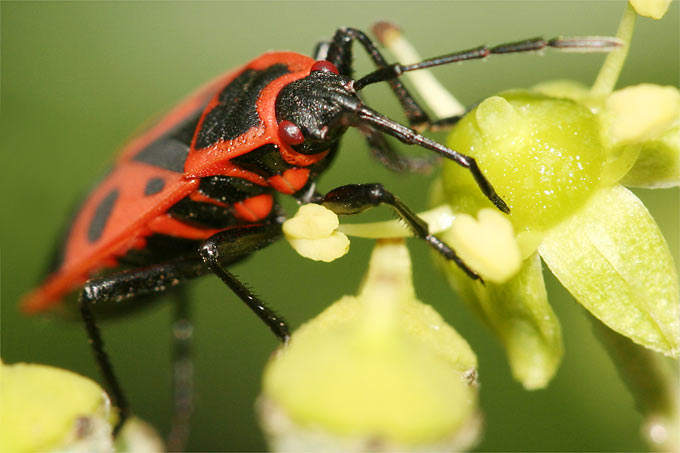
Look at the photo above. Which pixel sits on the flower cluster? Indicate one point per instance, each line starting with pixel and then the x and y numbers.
pixel 559 155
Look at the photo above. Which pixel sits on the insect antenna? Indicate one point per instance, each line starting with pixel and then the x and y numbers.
pixel 581 44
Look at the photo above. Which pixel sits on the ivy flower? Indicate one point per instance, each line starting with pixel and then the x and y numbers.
pixel 379 371
pixel 50 409
pixel 560 155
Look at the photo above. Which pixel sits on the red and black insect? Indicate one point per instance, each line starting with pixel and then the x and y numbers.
pixel 197 191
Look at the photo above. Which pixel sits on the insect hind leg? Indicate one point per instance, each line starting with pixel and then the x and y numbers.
pixel 124 286
pixel 182 372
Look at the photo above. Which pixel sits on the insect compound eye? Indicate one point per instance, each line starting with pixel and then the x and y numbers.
pixel 324 66
pixel 290 133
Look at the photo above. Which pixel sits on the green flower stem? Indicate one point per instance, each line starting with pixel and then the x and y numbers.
pixel 653 383
pixel 438 219
pixel 609 74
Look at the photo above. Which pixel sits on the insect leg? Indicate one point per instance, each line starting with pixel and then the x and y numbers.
pixel 356 198
pixel 340 54
pixel 183 372
pixel 120 286
pixel 240 241
pixel 384 153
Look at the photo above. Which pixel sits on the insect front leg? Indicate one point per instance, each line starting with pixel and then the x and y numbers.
pixel 356 198
pixel 339 52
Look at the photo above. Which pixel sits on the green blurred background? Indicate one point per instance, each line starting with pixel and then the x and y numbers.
pixel 78 78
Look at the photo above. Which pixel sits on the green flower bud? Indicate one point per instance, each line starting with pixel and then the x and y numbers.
pixel 543 155
pixel 48 409
pixel 44 408
pixel 376 371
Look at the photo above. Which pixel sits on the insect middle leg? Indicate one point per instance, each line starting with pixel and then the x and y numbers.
pixel 241 241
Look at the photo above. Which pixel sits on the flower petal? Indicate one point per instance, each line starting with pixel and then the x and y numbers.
pixel 519 313
pixel 139 436
pixel 642 112
pixel 658 165
pixel 487 244
pixel 311 221
pixel 651 8
pixel 327 249
pixel 312 233
pixel 613 259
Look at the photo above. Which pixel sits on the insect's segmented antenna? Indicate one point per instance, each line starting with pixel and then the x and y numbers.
pixel 585 44
pixel 567 44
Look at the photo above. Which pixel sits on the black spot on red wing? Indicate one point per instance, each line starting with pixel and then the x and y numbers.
pixel 165 153
pixel 101 216
pixel 59 251
pixel 170 151
pixel 153 186
pixel 236 111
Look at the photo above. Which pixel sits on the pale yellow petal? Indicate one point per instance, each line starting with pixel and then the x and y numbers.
pixel 641 112
pixel 311 221
pixel 325 249
pixel 486 244
pixel 655 9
